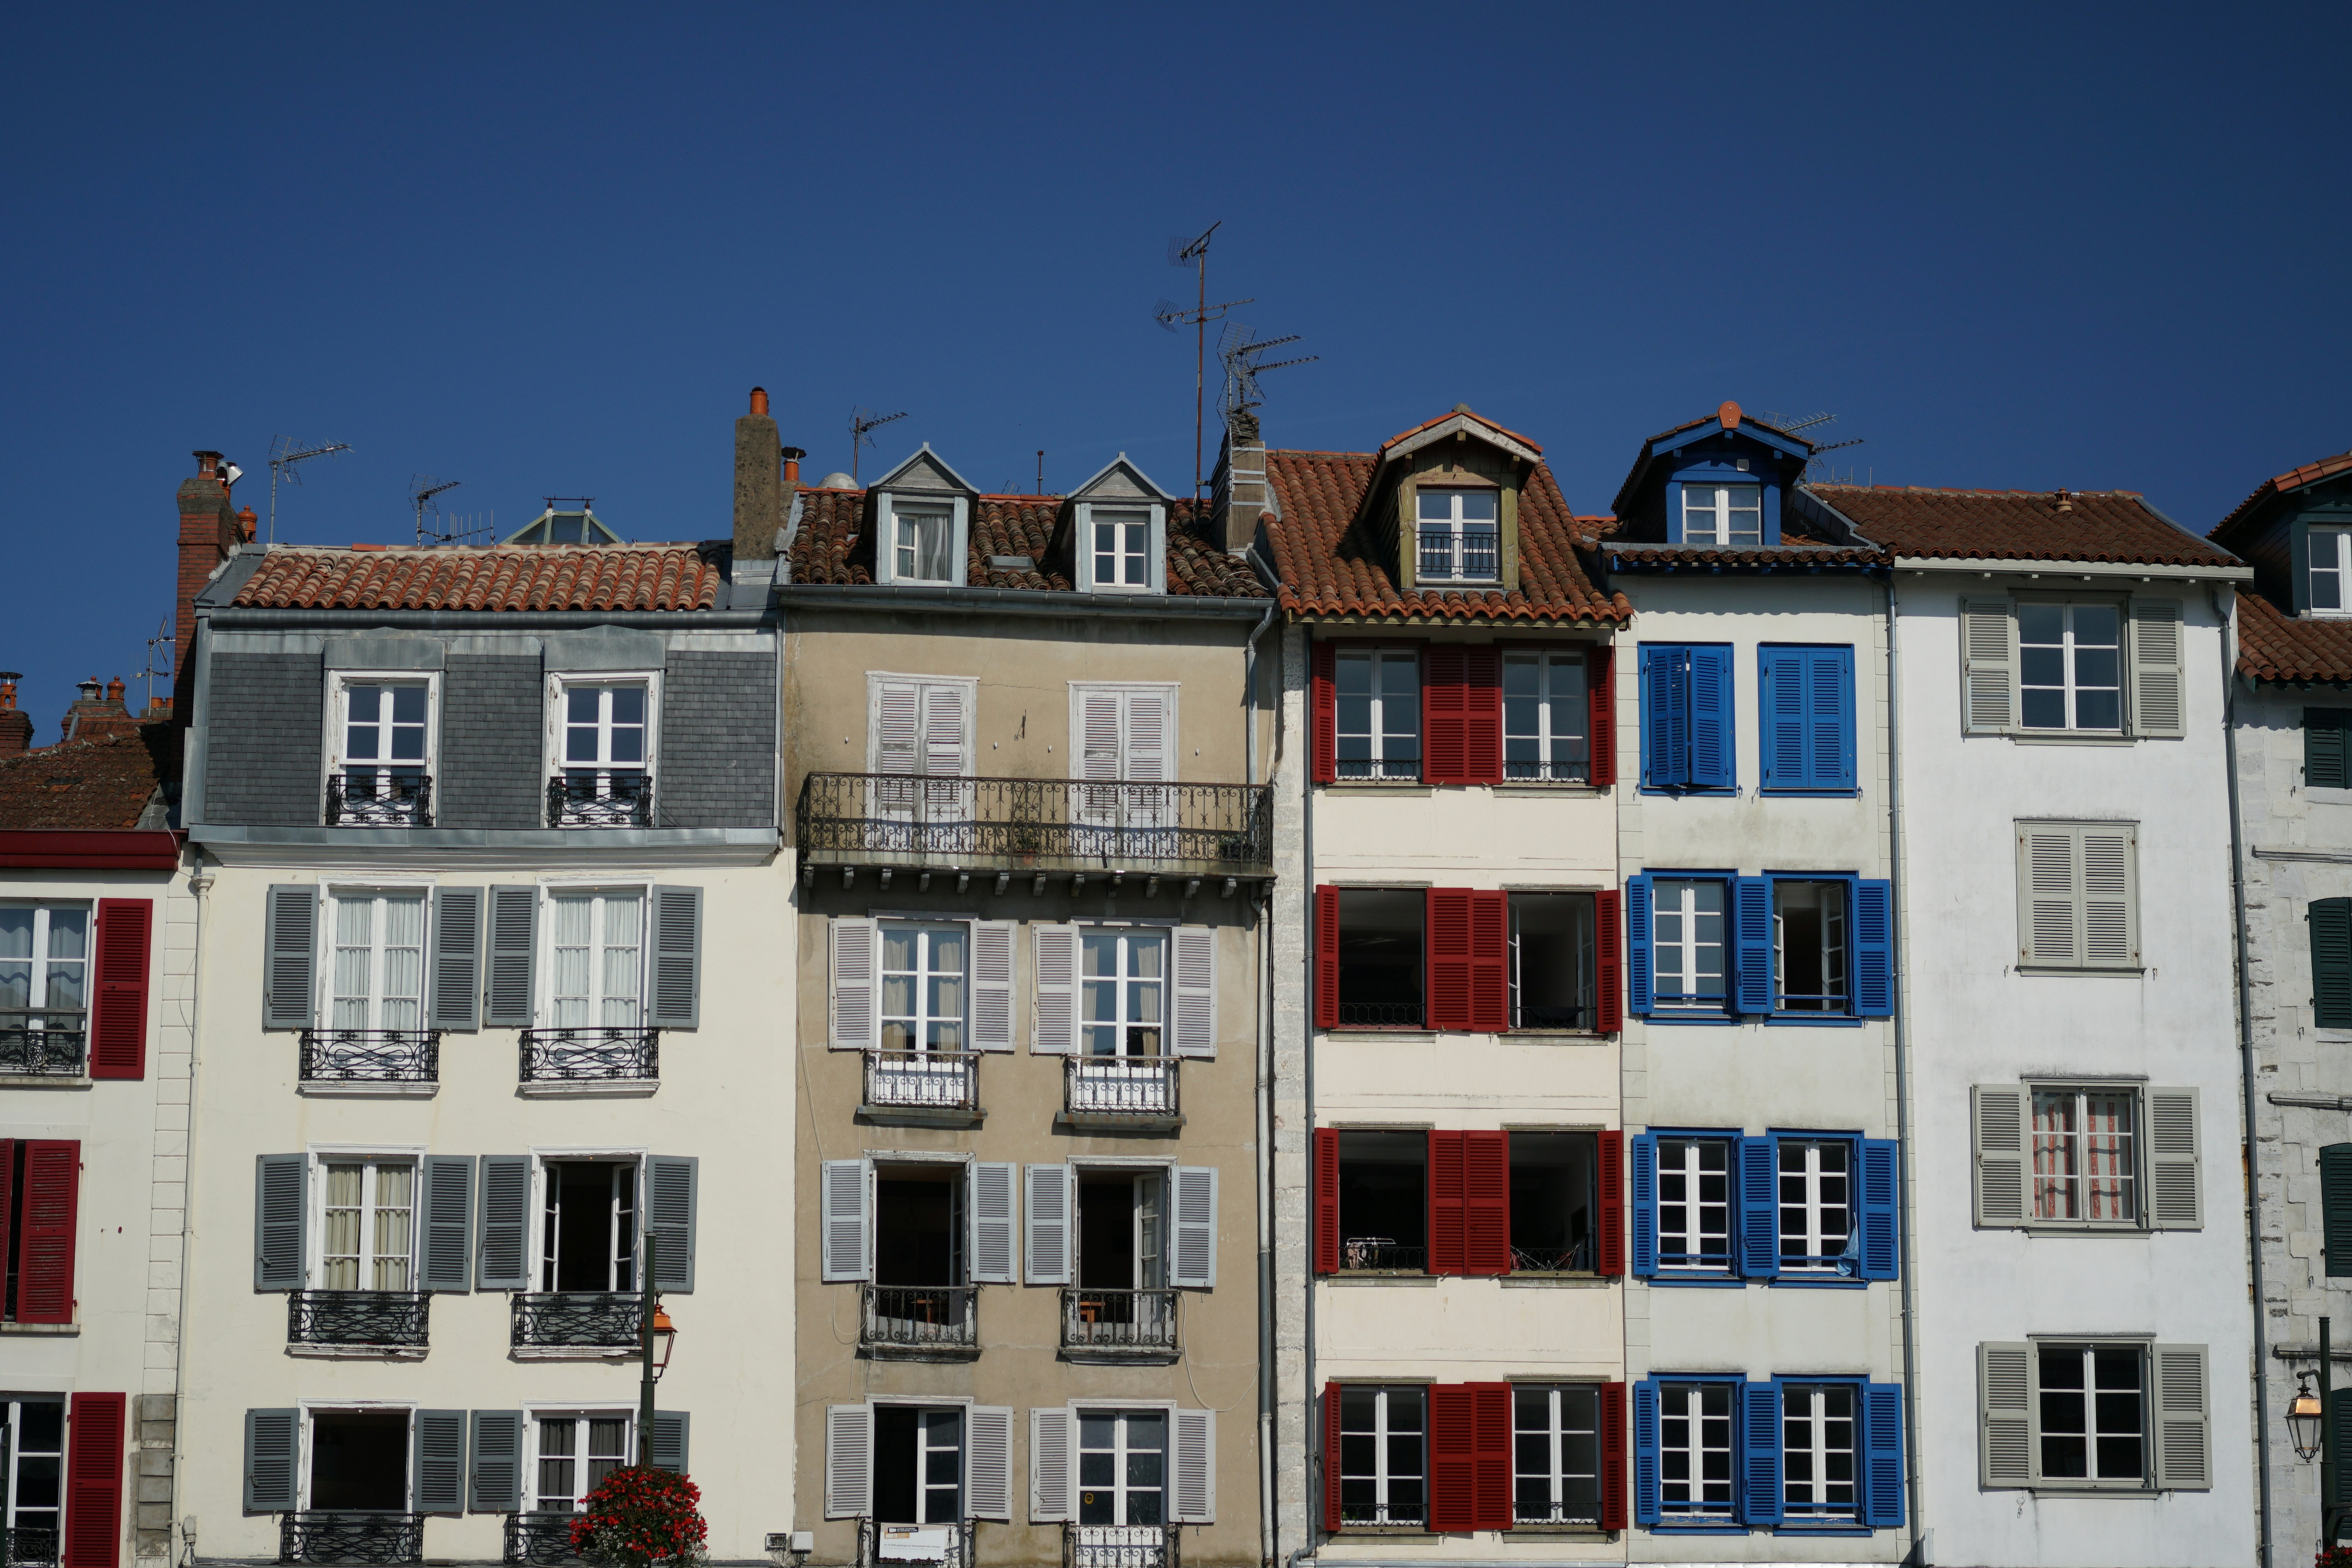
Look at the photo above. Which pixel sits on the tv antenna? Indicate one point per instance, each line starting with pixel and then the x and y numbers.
pixel 862 420
pixel 1790 426
pixel 285 457
pixel 1194 253
pixel 148 672
pixel 421 489
pixel 1242 350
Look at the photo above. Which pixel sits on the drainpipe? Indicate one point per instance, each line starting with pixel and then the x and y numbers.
pixel 200 883
pixel 1249 694
pixel 1903 1071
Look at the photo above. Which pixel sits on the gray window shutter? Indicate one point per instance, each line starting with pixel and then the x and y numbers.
pixel 671 1427
pixel 1196 1467
pixel 988 1461
pixel 2110 897
pixel 678 958
pixel 844 1224
pixel 1045 1209
pixel 1050 1445
pixel 514 939
pixel 991 984
pixel 2004 1416
pixel 506 1222
pixel 2049 896
pixel 1998 1115
pixel 290 956
pixel 1195 1230
pixel 670 1181
pixel 2183 1429
pixel 281 1184
pixel 2174 1200
pixel 993 1207
pixel 438 1455
pixel 270 1460
pixel 2156 675
pixel 457 966
pixel 1989 667
pixel 853 996
pixel 1057 991
pixel 497 1483
pixel 1196 990
pixel 447 1258
pixel 848 1461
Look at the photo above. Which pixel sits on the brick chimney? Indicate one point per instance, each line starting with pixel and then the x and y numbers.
pixel 15 725
pixel 210 532
pixel 98 712
pixel 759 483
pixel 1239 493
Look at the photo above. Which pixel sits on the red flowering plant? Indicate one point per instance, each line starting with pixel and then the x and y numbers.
pixel 641 1516
pixel 2334 1557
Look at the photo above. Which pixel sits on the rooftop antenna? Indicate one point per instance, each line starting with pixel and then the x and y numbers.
pixel 1194 253
pixel 1790 426
pixel 1241 350
pixel 150 669
pixel 862 420
pixel 284 457
pixel 421 489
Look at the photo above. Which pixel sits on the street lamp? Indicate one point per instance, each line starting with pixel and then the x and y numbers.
pixel 665 1334
pixel 657 1335
pixel 2303 1417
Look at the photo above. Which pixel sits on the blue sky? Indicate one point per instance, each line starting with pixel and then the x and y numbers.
pixel 547 250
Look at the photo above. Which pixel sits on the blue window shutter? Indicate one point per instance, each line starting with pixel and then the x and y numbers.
pixel 1645 1451
pixel 1881 1470
pixel 1781 691
pixel 1645 1204
pixel 1758 1190
pixel 1830 684
pixel 1882 1223
pixel 1758 1460
pixel 1665 716
pixel 1751 907
pixel 1711 760
pixel 1873 948
pixel 1640 983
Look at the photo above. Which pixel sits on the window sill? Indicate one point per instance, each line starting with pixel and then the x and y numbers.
pixel 1377 786
pixel 920 1116
pixel 2122 972
pixel 1548 786
pixel 1532 1281
pixel 1769 792
pixel 1380 1032
pixel 1696 1529
pixel 1379 1276
pixel 67 1329
pixel 1811 1021
pixel 2051 1488
pixel 356 1353
pixel 1570 1532
pixel 1692 1020
pixel 327 1090
pixel 1553 1037
pixel 2070 738
pixel 2056 1230
pixel 1672 791
pixel 573 1353
pixel 1823 1529
pixel 589 1088
pixel 44 1080
pixel 1117 1122
pixel 1697 1283
pixel 1383 1530
pixel 1815 1282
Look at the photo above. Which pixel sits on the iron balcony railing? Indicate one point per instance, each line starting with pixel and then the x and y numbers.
pixel 586 799
pixel 1042 824
pixel 1565 1512
pixel 920 1318
pixel 923 1080
pixel 588 1054
pixel 544 1539
pixel 379 797
pixel 1142 1321
pixel 1121 1085
pixel 948 1545
pixel 1382 1254
pixel 1380 1014
pixel 1118 1546
pixel 1574 1258
pixel 43 1042
pixel 350 1537
pixel 371 1056
pixel 394 1320
pixel 27 1547
pixel 578 1320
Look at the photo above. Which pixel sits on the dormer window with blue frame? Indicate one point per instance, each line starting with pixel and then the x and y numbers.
pixel 1460 536
pixel 1717 483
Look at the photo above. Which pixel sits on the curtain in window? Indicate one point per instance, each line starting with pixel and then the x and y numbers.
pixel 395 1212
pixel 354 964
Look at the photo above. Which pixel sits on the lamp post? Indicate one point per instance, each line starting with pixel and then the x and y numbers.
pixel 653 1325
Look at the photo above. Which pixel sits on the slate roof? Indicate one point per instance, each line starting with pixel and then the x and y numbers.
pixel 495 577
pixel 2114 526
pixel 2279 485
pixel 2275 645
pixel 105 783
pixel 1327 566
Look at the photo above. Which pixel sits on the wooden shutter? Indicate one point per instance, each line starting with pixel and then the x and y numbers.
pixel 1327 1200
pixel 995 1223
pixel 1047 1218
pixel 1881 1209
pixel 1150 736
pixel 289 956
pixel 270 1460
pixel 1052 1459
pixel 1600 715
pixel 2110 897
pixel 2184 1459
pixel 1196 991
pixel 1643 1183
pixel 45 1247
pixel 848 1461
pixel 1196 1467
pixel 1641 979
pixel 1447 1236
pixel 1609 961
pixel 1485 1203
pixel 437 1478
pixel 1785 708
pixel 1444 756
pixel 1758 1185
pixel 2048 896
pixel 2157 698
pixel 678 958
pixel 988 1461
pixel 1665 716
pixel 943 726
pixel 1334 1517
pixel 1751 904
pixel 1194 1205
pixel 1613 1456
pixel 1609 1186
pixel 2331 963
pixel 280 1207
pixel 1645 1452
pixel 1453 1460
pixel 1829 716
pixel 897 726
pixel 446 1260
pixel 671 1181
pixel 1712 763
pixel 7 1196
pixel 991 984
pixel 2004 1416
pixel 1323 688
pixel 514 941
pixel 667 1450
pixel 1327 958
pixel 1057 1032
pixel 1873 948
pixel 1759 1452
pixel 118 1021
pixel 2334 1207
pixel 495 1485
pixel 1098 740
pixel 505 1228
pixel 1490 1459
pixel 2326 758
pixel 457 963
pixel 1446 921
pixel 846 1225
pixel 1988 667
pixel 94 1466
pixel 854 992
pixel 1490 962
pixel 1997 1122
pixel 1882 1467
pixel 1482 715
pixel 2077 895
pixel 2174 1200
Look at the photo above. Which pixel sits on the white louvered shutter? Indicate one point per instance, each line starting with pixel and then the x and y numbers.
pixel 2157 695
pixel 1196 1467
pixel 1051 1461
pixel 2110 907
pixel 1099 734
pixel 1045 1226
pixel 848 1461
pixel 988 1461
pixel 853 985
pixel 2004 1415
pixel 1195 1230
pixel 1196 990
pixel 2174 1201
pixel 1057 991
pixel 2183 1428
pixel 993 1214
pixel 2049 896
pixel 943 724
pixel 1148 740
pixel 845 1224
pixel 1998 1118
pixel 991 984
pixel 897 726
pixel 1989 667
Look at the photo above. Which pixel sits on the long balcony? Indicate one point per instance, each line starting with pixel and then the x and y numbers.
pixel 25 1547
pixel 375 1320
pixel 1035 827
pixel 920 1322
pixel 1118 1546
pixel 590 1054
pixel 541 1539
pixel 382 1538
pixel 371 1056
pixel 930 1088
pixel 1118 1325
pixel 1138 1093
pixel 43 1042
pixel 582 799
pixel 578 1320
pixel 948 1545
pixel 379 797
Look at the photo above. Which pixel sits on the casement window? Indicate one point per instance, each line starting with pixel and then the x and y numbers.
pixel 1465 958
pixel 588 1225
pixel 1378 718
pixel 1812 951
pixel 376 956
pixel 1793 1452
pixel 1369 958
pixel 903 1462
pixel 2331 557
pixel 1686 718
pixel 367 1224
pixel 1694 1445
pixel 372 1458
pixel 1129 992
pixel 376 960
pixel 73 991
pixel 1462 714
pixel 1467 1202
pixel 1121 1239
pixel 1123 734
pixel 922 1224
pixel 1458 1458
pixel 39 1213
pixel 549 1458
pixel 358 1222
pixel 1722 514
pixel 2061 667
pixel 379 757
pixel 2328 748
pixel 1806 719
pixel 605 734
pixel 1796 948
pixel 1110 1228
pixel 1458 535
pixel 923 979
pixel 32 1472
pixel 44 965
pixel 1793 1206
pixel 596 957
pixel 2089 1156
pixel 1556 968
pixel 572 1453
pixel 358 1461
pixel 922 986
pixel 2331 963
pixel 2336 1209
pixel 2078 895
pixel 1821 1452
pixel 1383 1456
pixel 1106 1467
pixel 1118 545
pixel 917 725
pixel 922 535
pixel 1689 964
pixel 1122 1467
pixel 1554 1213
pixel 577 1224
pixel 1556 1463
pixel 1547 717
pixel 1122 992
pixel 2073 1415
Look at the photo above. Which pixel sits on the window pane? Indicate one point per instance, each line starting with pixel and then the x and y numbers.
pixel 1477 506
pixel 1435 506
pixel 2041 624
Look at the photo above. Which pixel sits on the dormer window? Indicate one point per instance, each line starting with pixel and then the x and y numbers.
pixel 2331 561
pixel 1459 537
pixel 1723 514
pixel 922 524
pixel 925 533
pixel 1122 547
pixel 1113 536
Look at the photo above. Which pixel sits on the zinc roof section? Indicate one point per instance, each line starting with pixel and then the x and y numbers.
pixel 2275 645
pixel 102 785
pixel 2279 485
pixel 2112 526
pixel 494 577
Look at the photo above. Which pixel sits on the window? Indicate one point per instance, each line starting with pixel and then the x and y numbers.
pixel 1797 1452
pixel 2331 963
pixel 1122 980
pixel 1810 955
pixel 1384 1476
pixel 604 739
pixel 1820 1448
pixel 2085 1165
pixel 596 959
pixel 1554 977
pixel 923 986
pixel 2326 756
pixel 1805 719
pixel 1689 943
pixel 359 1462
pixel 573 1454
pixel 1379 713
pixel 1122 1467
pixel 2095 1156
pixel 1472 960
pixel 1459 542
pixel 1556 1454
pixel 2078 904
pixel 1815 1208
pixel 1693 1204
pixel 1686 717
pixel 367 1224
pixel 1551 1203
pixel 2331 555
pixel 2059 667
pixel 1725 514
pixel 1377 958
pixel 1694 1448
pixel 1122 1233
pixel 1383 1200
pixel 1467 1203
pixel 588 1234
pixel 2070 666
pixel 919 1232
pixel 2092 1414
pixel 917 1465
pixel 32 1451
pixel 923 533
pixel 380 753
pixel 37 1227
pixel 1546 715
pixel 1121 547
pixel 376 974
pixel 1816 1197
pixel 918 738
pixel 44 965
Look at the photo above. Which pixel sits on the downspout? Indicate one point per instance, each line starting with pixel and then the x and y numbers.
pixel 200 883
pixel 1269 1537
pixel 1902 1068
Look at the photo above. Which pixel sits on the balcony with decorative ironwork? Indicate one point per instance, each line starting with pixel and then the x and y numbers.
pixel 919 1322
pixel 586 799
pixel 922 1088
pixel 43 1042
pixel 362 1319
pixel 1118 1546
pixel 386 1058
pixel 578 1320
pixel 617 1057
pixel 1118 1325
pixel 1135 1094
pixel 1036 828
pixel 948 1545
pixel 379 797
pixel 541 1539
pixel 326 1537
pixel 27 1547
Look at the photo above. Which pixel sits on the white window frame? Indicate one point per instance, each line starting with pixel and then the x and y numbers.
pixel 543 961
pixel 1378 764
pixel 1119 1451
pixel 2087 1345
pixel 639 1159
pixel 885 535
pixel 926 930
pixel 16 1453
pixel 1726 1513
pixel 338 727
pixel 1554 1429
pixel 315 1220
pixel 1692 1170
pixel 1686 909
pixel 1155 547
pixel 38 974
pixel 1587 959
pixel 558 683
pixel 2134 1176
pixel 533 1413
pixel 1381 1478
pixel 305 1445
pixel 1814 1177
pixel 1819 1451
pixel 2338 543
pixel 333 894
pixel 1718 533
pixel 1123 985
pixel 1160 1258
pixel 2070 688
pixel 1454 526
pixel 1550 767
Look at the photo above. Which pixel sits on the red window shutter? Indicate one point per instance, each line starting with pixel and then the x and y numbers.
pixel 1490 1409
pixel 1609 959
pixel 93 1534
pixel 1327 1200
pixel 1325 689
pixel 1327 958
pixel 1331 1457
pixel 118 1026
pixel 44 1269
pixel 7 1196
pixel 1446 935
pixel 1609 1227
pixel 1453 1460
pixel 1485 1203
pixel 1612 1456
pixel 1445 746
pixel 1600 714
pixel 1490 962
pixel 1446 1218
pixel 1482 715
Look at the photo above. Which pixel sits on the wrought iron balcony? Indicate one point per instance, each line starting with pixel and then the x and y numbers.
pixel 1036 825
pixel 587 799
pixel 606 1052
pixel 379 797
pixel 1118 1546
pixel 350 1537
pixel 918 1081
pixel 544 1539
pixel 25 1547
pixel 1380 1014
pixel 1118 1323
pixel 390 1320
pixel 948 1545
pixel 920 1319
pixel 578 1320
pixel 371 1056
pixel 43 1042
pixel 1117 1087
pixel 1382 1255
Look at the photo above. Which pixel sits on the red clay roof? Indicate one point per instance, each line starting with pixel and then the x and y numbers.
pixel 1709 419
pixel 497 577
pixel 104 783
pixel 2019 525
pixel 1328 567
pixel 1461 411
pixel 2294 479
pixel 2275 645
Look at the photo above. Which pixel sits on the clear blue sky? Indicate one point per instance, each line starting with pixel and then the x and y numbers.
pixel 549 250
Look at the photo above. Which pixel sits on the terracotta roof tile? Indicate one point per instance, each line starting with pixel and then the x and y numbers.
pixel 499 577
pixel 1463 412
pixel 2019 525
pixel 101 783
pixel 2293 480
pixel 1793 552
pixel 2275 645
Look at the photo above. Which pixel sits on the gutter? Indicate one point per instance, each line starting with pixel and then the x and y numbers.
pixel 1016 602
pixel 1906 1196
pixel 491 620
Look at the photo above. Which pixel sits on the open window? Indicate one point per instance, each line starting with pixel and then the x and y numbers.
pixel 359 1462
pixel 920 1296
pixel 1383 1200
pixel 588 1225
pixel 1555 979
pixel 32 1459
pixel 1378 956
pixel 918 1464
pixel 1812 953
pixel 380 766
pixel 1553 1215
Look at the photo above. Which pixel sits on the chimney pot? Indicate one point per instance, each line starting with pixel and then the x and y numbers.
pixel 760 403
pixel 7 695
pixel 792 456
pixel 207 464
pixel 245 524
pixel 114 692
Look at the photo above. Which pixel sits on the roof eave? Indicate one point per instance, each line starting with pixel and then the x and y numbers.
pixel 2018 565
